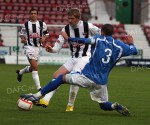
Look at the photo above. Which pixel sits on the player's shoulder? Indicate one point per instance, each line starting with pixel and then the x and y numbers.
pixel 42 22
pixel 100 37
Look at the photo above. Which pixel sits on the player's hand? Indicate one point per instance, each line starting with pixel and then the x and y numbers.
pixel 23 39
pixel 48 48
pixel 128 39
pixel 42 39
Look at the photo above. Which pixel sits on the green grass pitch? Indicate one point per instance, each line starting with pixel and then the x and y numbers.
pixel 129 86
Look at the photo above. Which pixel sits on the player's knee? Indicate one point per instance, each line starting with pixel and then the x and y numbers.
pixel 55 75
pixel 34 68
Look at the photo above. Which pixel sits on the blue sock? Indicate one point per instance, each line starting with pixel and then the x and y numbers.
pixel 54 84
pixel 106 106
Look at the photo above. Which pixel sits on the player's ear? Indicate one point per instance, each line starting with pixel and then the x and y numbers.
pixel 102 33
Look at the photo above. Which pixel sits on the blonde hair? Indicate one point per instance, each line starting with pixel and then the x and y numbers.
pixel 74 12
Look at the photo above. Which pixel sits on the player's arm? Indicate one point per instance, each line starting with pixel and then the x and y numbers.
pixel 128 47
pixel 90 40
pixel 57 46
pixel 64 34
pixel 23 35
pixel 59 43
pixel 94 30
pixel 45 33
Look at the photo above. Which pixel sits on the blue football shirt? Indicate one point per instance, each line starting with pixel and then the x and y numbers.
pixel 105 53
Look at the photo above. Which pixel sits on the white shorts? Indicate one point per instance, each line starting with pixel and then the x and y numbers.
pixel 98 92
pixel 76 64
pixel 32 52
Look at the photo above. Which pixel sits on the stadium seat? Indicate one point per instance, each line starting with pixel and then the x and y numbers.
pixel 14 1
pixel 65 2
pixel 45 7
pixel 3 7
pixel 16 7
pixel 27 1
pixel 28 8
pixel 1 18
pixel 7 1
pixel 40 17
pixel 40 1
pixel 48 8
pixel 65 22
pixel 9 7
pixel 53 17
pixel 22 8
pixel 59 2
pixel 46 1
pixel 52 1
pixel 22 1
pixel 146 29
pixel 34 1
pixel 59 17
pixel 2 1
pixel 52 21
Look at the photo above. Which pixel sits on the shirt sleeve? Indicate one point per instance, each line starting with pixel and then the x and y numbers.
pixel 93 30
pixel 59 43
pixel 45 31
pixel 128 49
pixel 23 31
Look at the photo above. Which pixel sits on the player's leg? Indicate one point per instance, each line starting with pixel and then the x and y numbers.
pixel 109 106
pixel 20 73
pixel 30 53
pixel 79 65
pixel 52 85
pixel 100 94
pixel 35 75
pixel 72 97
pixel 46 99
pixel 64 69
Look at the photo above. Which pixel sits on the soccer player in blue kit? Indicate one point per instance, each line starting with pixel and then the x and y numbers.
pixel 105 53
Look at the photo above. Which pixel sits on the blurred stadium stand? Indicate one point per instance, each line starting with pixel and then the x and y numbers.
pixel 54 12
pixel 50 11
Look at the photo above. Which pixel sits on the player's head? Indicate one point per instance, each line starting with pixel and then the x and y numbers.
pixel 107 30
pixel 33 14
pixel 73 16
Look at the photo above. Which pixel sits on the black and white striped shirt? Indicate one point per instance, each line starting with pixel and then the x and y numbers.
pixel 77 50
pixel 34 31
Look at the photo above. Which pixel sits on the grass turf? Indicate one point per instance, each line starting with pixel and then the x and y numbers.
pixel 129 86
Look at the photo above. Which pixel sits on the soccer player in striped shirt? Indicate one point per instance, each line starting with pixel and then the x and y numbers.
pixel 33 34
pixel 79 54
pixel 105 53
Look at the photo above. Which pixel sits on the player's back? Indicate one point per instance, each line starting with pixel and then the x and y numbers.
pixel 106 53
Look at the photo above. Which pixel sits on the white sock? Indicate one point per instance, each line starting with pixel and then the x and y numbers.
pixel 24 70
pixel 49 95
pixel 35 77
pixel 38 94
pixel 72 94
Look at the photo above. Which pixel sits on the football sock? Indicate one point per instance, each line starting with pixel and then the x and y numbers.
pixel 107 106
pixel 35 77
pixel 38 94
pixel 72 94
pixel 25 70
pixel 49 95
pixel 52 85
